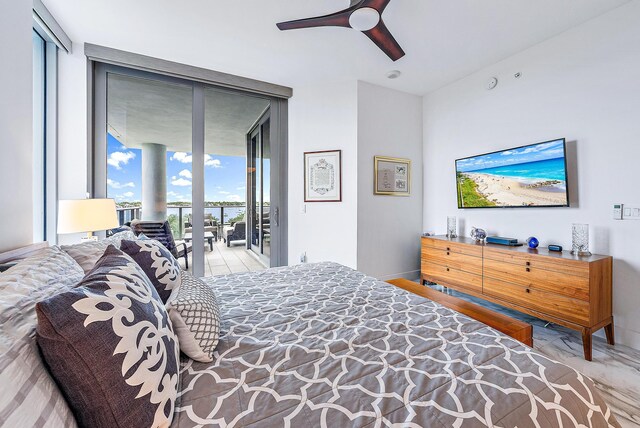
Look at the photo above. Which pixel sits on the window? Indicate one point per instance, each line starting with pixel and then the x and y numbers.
pixel 39 138
pixel 47 39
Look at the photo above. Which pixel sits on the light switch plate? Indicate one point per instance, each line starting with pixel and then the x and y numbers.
pixel 631 212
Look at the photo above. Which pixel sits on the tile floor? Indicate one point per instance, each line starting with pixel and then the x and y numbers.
pixel 225 260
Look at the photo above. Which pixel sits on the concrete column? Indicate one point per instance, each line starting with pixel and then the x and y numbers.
pixel 154 182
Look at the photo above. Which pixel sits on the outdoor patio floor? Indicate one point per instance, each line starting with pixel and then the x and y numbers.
pixel 224 260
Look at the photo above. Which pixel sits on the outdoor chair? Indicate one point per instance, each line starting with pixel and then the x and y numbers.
pixel 161 232
pixel 238 233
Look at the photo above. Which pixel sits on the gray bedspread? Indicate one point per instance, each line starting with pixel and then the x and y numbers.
pixel 322 345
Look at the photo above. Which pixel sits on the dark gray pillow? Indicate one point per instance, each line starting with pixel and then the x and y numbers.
pixel 157 262
pixel 110 346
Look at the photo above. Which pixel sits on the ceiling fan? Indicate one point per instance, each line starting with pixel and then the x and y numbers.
pixel 361 15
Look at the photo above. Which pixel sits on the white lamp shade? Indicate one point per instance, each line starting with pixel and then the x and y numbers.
pixel 86 215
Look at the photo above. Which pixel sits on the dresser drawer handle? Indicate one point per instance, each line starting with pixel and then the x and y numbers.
pixel 448 254
pixel 528 291
pixel 528 270
pixel 447 269
pixel 448 249
pixel 528 263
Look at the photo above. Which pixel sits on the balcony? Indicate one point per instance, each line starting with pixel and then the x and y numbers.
pixel 220 259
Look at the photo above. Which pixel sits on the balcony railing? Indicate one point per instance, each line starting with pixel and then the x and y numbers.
pixel 183 212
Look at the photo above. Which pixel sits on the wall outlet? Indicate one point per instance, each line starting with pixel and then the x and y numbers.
pixel 303 257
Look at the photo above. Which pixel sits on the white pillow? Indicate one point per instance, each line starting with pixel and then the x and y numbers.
pixel 195 316
pixel 88 253
pixel 29 395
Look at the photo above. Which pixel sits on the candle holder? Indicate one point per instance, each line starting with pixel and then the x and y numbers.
pixel 452 228
pixel 580 239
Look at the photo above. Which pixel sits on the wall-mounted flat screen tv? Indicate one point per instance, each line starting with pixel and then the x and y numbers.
pixel 527 176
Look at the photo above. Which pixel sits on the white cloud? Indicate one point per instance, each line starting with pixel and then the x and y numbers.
pixel 234 198
pixel 177 196
pixel 507 153
pixel 182 157
pixel 117 185
pixel 185 173
pixel 242 188
pixel 127 195
pixel 180 182
pixel 223 192
pixel 214 163
pixel 116 159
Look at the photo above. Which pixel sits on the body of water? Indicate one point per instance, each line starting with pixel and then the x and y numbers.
pixel 229 212
pixel 550 169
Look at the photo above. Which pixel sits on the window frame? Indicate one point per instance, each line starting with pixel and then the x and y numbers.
pixel 45 210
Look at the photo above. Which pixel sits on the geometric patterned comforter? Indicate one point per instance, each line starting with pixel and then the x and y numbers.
pixel 322 345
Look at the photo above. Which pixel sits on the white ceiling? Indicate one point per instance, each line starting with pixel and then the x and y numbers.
pixel 145 111
pixel 445 40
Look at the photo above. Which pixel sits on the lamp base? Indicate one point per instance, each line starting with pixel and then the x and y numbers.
pixel 581 253
pixel 89 238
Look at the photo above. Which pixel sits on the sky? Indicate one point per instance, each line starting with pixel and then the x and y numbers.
pixel 225 176
pixel 533 153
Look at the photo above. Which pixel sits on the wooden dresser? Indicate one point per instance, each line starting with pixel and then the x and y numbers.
pixel 558 287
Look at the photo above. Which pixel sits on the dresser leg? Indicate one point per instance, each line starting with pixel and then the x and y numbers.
pixel 586 343
pixel 608 331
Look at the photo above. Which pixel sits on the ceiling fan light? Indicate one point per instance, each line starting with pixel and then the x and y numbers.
pixel 364 19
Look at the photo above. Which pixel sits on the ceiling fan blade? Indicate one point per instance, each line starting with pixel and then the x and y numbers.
pixel 379 5
pixel 338 19
pixel 381 36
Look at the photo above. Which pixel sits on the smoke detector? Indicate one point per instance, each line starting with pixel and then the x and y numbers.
pixel 394 74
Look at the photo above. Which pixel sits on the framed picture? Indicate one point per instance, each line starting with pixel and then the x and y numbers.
pixel 323 176
pixel 392 176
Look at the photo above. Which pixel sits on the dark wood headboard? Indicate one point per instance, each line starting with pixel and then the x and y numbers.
pixel 21 253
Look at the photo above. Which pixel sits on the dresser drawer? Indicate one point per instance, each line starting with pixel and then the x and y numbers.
pixel 561 265
pixel 448 276
pixel 557 305
pixel 452 246
pixel 459 261
pixel 535 276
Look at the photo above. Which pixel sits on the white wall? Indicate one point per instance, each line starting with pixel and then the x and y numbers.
pixel 389 227
pixel 324 117
pixel 583 85
pixel 72 129
pixel 16 113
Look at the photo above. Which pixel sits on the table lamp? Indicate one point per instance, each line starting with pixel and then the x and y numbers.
pixel 86 215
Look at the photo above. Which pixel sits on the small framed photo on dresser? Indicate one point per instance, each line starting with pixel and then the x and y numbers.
pixel 392 176
pixel 323 176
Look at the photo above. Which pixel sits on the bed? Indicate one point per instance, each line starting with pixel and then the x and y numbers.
pixel 322 345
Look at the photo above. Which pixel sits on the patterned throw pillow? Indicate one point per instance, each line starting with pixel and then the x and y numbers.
pixel 157 262
pixel 196 318
pixel 110 346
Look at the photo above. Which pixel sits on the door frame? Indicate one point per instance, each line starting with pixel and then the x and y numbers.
pixel 257 131
pixel 98 58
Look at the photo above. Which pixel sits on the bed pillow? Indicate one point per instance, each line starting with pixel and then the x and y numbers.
pixel 195 317
pixel 88 253
pixel 30 397
pixel 110 346
pixel 157 262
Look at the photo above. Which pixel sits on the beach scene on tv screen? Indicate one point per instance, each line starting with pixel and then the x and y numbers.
pixel 527 176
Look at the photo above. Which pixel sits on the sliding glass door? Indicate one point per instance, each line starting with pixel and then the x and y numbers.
pixel 259 178
pixel 173 150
